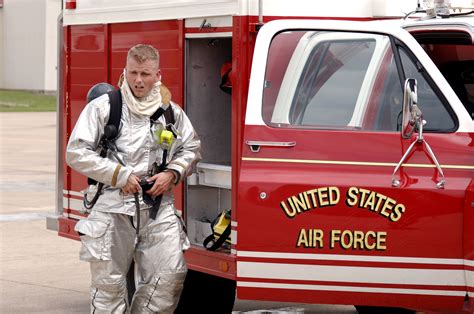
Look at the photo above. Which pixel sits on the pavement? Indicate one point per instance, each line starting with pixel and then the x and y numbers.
pixel 40 272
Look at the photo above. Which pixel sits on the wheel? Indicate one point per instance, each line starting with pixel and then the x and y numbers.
pixel 204 293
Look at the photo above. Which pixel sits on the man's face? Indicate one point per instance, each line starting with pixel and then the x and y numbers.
pixel 142 76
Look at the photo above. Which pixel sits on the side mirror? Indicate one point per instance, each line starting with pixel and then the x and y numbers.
pixel 412 120
pixel 411 114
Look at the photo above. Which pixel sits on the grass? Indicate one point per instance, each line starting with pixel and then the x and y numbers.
pixel 18 101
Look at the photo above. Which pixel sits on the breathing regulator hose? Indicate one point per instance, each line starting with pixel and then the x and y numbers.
pixel 137 206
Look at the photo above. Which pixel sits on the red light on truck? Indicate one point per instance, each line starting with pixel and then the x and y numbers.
pixel 70 4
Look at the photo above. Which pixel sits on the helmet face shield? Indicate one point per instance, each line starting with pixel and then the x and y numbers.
pixel 98 90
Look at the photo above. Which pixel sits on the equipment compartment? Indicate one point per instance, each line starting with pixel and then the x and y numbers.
pixel 208 192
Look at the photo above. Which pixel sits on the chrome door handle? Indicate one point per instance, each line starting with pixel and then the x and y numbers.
pixel 255 145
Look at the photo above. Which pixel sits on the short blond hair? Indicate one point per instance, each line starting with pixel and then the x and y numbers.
pixel 142 53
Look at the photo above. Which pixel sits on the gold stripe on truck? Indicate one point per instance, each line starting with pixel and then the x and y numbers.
pixel 354 163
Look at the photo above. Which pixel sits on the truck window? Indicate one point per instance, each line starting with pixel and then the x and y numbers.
pixel 435 113
pixel 342 80
pixel 456 63
pixel 335 80
pixel 460 75
pixel 385 104
pixel 331 83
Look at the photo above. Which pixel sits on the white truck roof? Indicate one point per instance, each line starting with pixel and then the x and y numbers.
pixel 119 11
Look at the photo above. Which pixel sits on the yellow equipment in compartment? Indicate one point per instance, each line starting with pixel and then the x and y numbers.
pixel 222 223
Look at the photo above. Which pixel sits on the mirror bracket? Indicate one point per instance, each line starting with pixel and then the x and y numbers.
pixel 441 182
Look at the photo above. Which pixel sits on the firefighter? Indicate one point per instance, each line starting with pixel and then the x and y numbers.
pixel 120 228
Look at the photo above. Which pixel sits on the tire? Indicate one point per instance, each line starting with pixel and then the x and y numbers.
pixel 204 293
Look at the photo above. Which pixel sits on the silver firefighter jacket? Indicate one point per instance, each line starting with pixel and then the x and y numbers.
pixel 137 147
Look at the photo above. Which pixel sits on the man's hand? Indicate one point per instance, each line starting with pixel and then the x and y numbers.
pixel 163 182
pixel 132 186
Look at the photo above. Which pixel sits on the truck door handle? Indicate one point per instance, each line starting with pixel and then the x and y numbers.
pixel 255 145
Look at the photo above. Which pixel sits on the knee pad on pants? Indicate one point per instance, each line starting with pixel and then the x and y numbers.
pixel 109 298
pixel 161 295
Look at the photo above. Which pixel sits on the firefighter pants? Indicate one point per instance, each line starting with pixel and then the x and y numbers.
pixel 109 244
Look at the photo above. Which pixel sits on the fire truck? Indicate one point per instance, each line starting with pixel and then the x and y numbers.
pixel 345 150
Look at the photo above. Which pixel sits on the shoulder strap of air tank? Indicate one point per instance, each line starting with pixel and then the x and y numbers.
pixel 115 100
pixel 169 115
pixel 115 115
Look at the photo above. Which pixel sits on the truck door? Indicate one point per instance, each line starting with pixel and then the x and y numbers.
pixel 322 217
